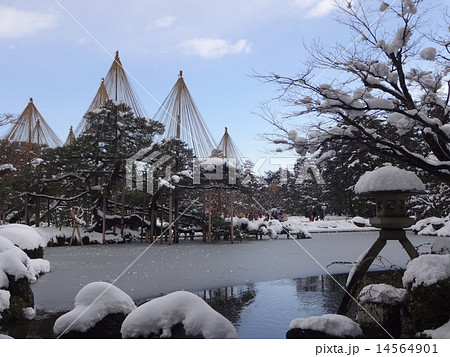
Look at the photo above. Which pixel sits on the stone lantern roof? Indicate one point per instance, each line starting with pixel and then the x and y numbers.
pixel 390 186
pixel 389 179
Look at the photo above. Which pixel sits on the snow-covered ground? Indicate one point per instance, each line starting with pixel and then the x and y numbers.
pixel 143 270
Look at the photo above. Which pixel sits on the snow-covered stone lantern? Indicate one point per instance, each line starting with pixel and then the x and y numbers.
pixel 391 187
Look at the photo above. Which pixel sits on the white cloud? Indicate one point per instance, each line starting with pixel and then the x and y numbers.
pixel 213 48
pixel 318 8
pixel 16 23
pixel 165 21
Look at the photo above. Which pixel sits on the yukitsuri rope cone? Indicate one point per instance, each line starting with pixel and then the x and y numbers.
pixel 183 120
pixel 115 86
pixel 31 128
pixel 229 149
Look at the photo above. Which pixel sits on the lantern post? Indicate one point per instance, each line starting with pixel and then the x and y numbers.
pixel 390 187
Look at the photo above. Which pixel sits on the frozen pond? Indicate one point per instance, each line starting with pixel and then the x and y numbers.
pixel 269 282
pixel 259 310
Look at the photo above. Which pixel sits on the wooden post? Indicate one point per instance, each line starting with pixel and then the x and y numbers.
pixel 37 220
pixel 75 228
pixel 232 215
pixel 152 223
pixel 27 219
pixel 115 208
pixel 122 214
pixel 170 217
pixel 104 221
pixel 209 216
pixel 48 212
pixel 161 227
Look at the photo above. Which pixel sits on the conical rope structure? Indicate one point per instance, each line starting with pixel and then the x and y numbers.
pixel 229 149
pixel 30 127
pixel 183 121
pixel 119 88
pixel 71 137
pixel 100 98
pixel 114 86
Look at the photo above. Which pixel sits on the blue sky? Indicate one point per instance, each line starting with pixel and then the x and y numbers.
pixel 218 44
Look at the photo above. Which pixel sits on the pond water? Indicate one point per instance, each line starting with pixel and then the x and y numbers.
pixel 258 310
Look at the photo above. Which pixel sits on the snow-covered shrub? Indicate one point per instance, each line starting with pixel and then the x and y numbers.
pixel 93 303
pixel 157 317
pixel 24 237
pixel 16 275
pixel 427 280
pixel 326 326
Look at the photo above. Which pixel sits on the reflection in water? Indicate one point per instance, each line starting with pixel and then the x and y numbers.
pixel 265 310
pixel 260 310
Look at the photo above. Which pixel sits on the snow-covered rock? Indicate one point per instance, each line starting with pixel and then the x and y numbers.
pixel 338 326
pixel 158 316
pixel 381 294
pixel 92 304
pixel 389 178
pixel 5 337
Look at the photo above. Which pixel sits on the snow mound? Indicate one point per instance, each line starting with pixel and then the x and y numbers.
pixel 440 332
pixel 197 317
pixel 5 244
pixel 4 282
pixel 92 303
pixel 22 236
pixel 5 337
pixel 40 266
pixel 381 294
pixel 389 178
pixel 4 300
pixel 427 270
pixel 16 263
pixel 334 325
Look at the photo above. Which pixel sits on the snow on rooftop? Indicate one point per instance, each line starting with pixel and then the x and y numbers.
pixel 389 178
pixel 334 325
pixel 381 294
pixel 427 270
pixel 197 317
pixel 92 303
pixel 22 236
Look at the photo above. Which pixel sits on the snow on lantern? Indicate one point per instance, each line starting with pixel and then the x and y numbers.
pixel 390 186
